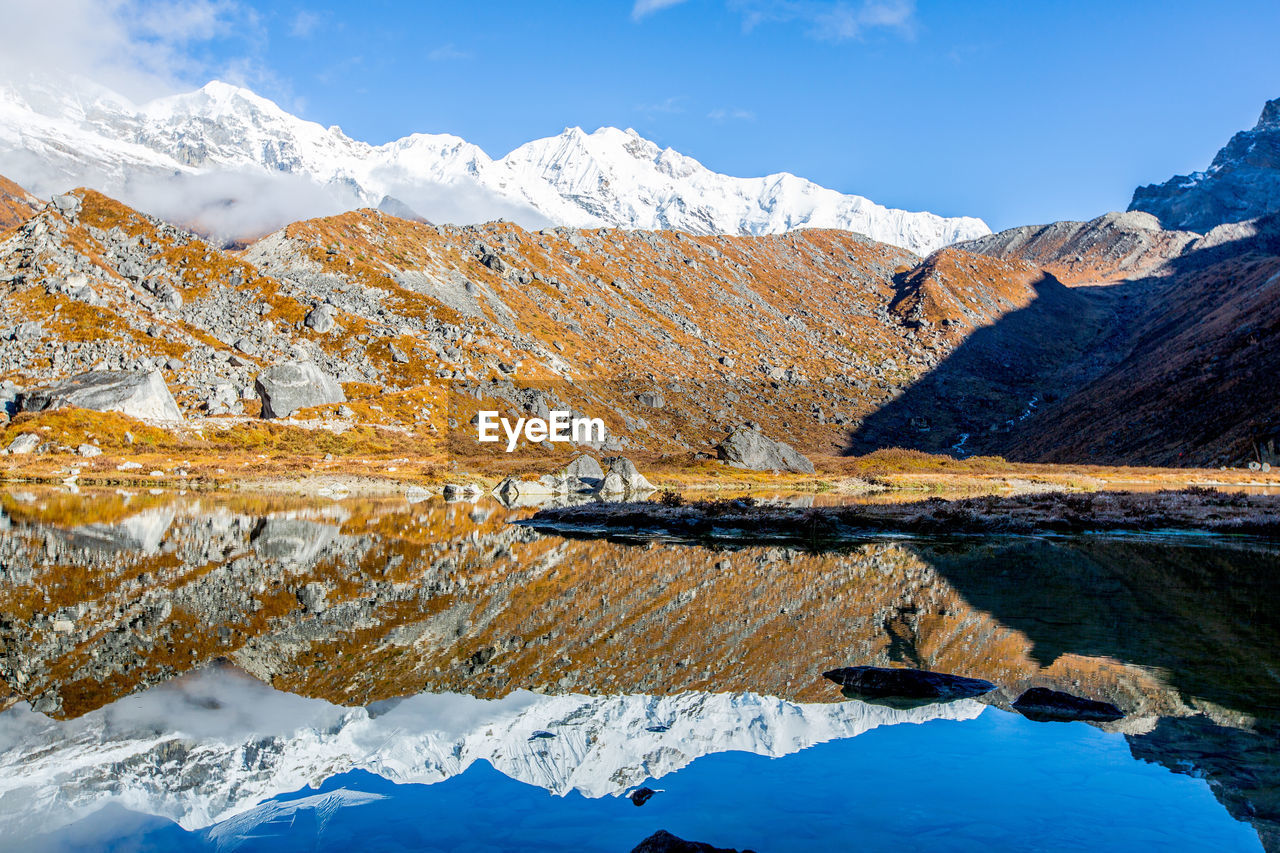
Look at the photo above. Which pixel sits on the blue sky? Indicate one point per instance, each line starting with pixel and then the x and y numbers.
pixel 1013 111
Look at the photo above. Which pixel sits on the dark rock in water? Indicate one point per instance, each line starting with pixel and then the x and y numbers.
pixel 641 795
pixel 664 842
pixel 1053 706
pixel 905 688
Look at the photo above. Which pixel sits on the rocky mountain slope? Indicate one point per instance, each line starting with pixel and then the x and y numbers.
pixel 673 339
pixel 1115 245
pixel 1109 341
pixel 274 167
pixel 1180 368
pixel 1242 182
pixel 16 204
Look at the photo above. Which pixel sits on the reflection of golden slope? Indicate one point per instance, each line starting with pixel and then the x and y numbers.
pixel 450 597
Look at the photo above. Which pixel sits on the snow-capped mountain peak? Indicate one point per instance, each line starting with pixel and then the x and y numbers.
pixel 54 135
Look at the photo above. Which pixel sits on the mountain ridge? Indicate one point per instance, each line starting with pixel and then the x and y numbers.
pixel 50 139
pixel 1242 182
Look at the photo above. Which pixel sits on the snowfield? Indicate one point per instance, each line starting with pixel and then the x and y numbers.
pixel 225 158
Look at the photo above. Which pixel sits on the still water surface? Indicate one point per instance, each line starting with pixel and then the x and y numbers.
pixel 261 673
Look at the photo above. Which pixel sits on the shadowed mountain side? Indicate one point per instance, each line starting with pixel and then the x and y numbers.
pixel 1202 616
pixel 1195 380
pixel 1174 368
pixel 997 374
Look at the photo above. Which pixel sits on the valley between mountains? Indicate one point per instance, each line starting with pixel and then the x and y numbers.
pixel 1113 342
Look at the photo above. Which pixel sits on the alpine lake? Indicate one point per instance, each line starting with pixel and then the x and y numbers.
pixel 245 672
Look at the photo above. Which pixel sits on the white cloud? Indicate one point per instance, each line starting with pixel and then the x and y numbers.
pixel 304 24
pixel 726 113
pixel 668 106
pixel 141 48
pixel 648 7
pixel 447 52
pixel 832 21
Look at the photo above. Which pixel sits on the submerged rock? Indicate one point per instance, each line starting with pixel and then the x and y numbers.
pixel 749 448
pixel 286 387
pixel 1053 706
pixel 136 394
pixel 664 842
pixel 905 688
pixel 641 795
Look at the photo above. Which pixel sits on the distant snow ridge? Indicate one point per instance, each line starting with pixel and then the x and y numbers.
pixel 213 746
pixel 163 156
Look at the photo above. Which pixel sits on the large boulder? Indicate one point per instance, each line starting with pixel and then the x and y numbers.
pixel 291 385
pixel 583 474
pixel 322 318
pixel 293 541
pixel 746 447
pixel 134 393
pixel 624 479
pixel 24 444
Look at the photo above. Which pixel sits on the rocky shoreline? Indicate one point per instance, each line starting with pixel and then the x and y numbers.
pixel 1191 510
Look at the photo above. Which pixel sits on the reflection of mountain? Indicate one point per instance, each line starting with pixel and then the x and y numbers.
pixel 1242 765
pixel 1201 614
pixel 433 597
pixel 210 746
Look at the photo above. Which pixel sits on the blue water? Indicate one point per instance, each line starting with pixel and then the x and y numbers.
pixel 998 782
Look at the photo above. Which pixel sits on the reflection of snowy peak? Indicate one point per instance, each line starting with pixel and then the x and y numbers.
pixel 211 746
pixel 161 157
